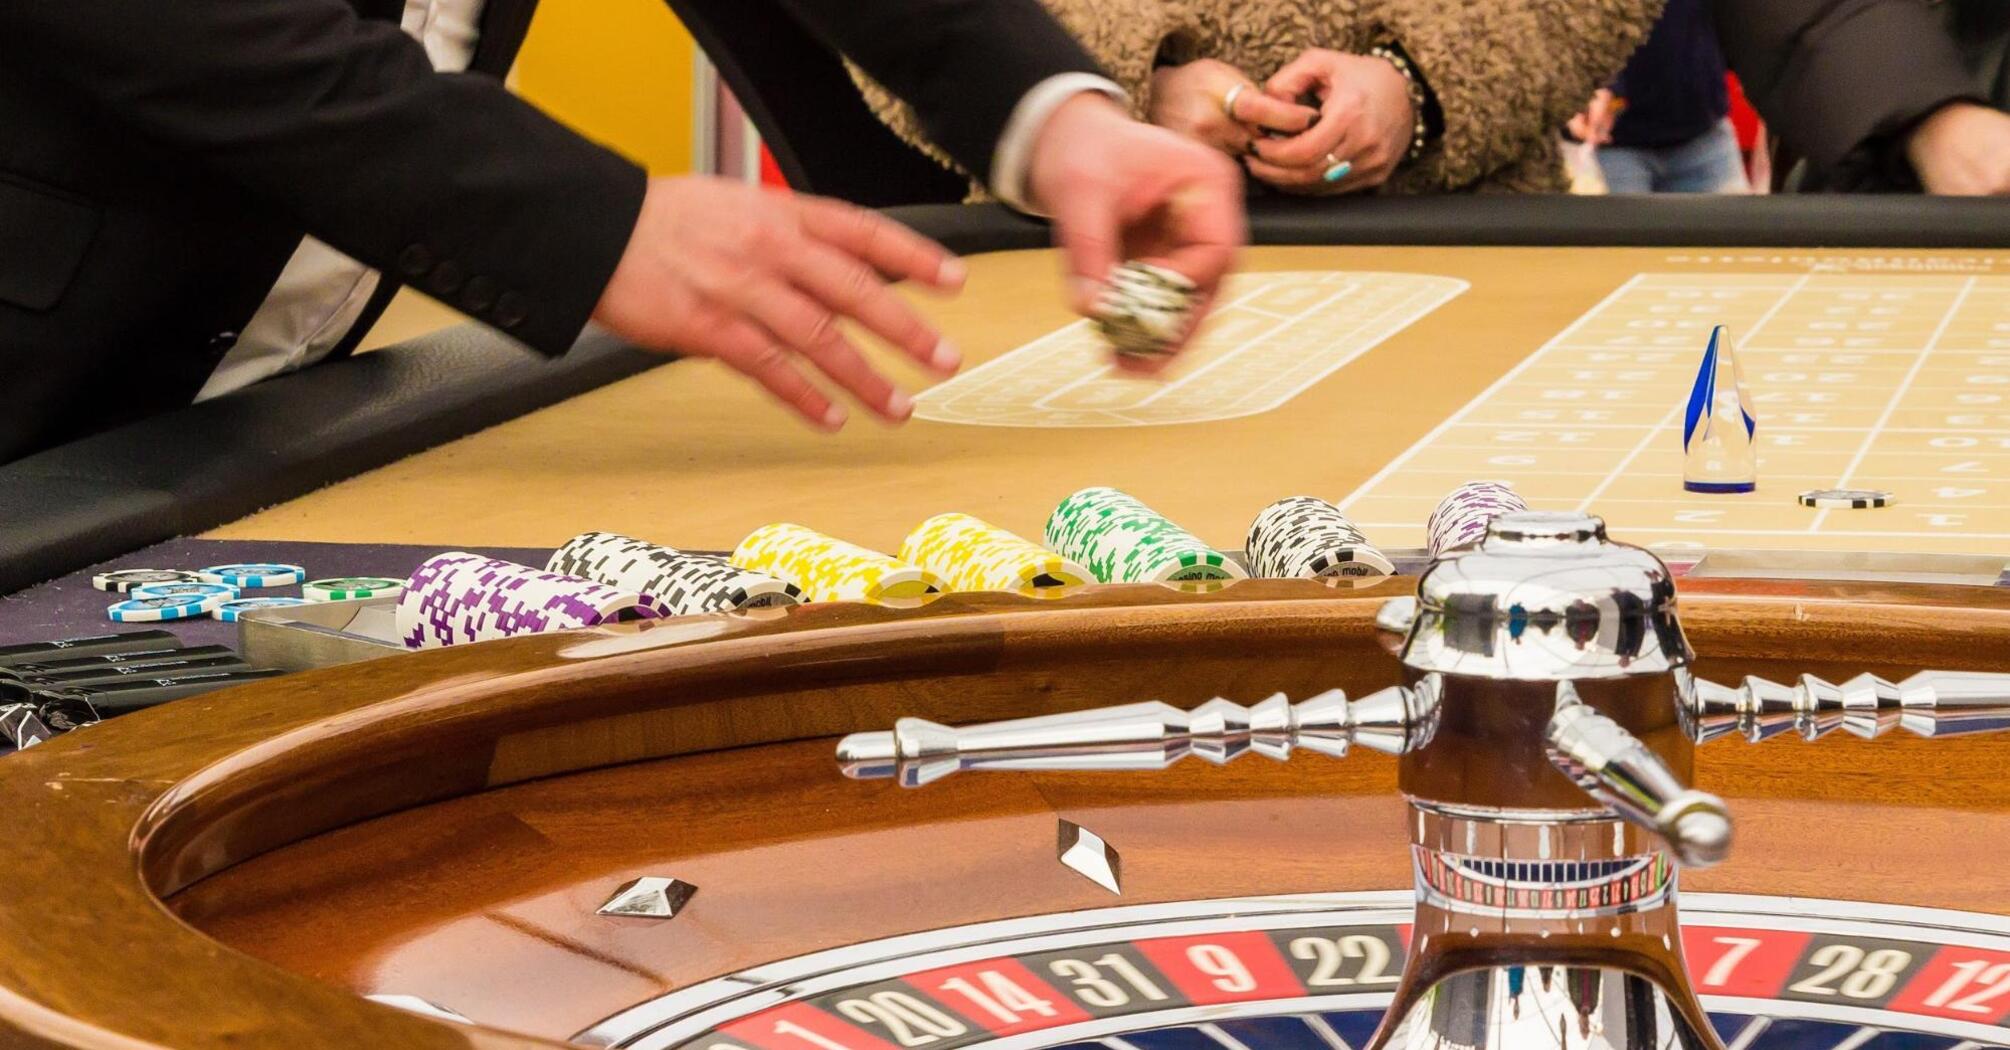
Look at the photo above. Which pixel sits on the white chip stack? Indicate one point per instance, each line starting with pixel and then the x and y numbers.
pixel 670 582
pixel 1145 309
pixel 459 597
pixel 1307 537
pixel 973 555
pixel 827 569
pixel 1462 517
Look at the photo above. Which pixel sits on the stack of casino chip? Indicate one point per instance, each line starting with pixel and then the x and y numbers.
pixel 459 597
pixel 1462 517
pixel 1123 541
pixel 974 555
pixel 1144 309
pixel 1304 536
pixel 120 581
pixel 154 602
pixel 671 582
pixel 827 569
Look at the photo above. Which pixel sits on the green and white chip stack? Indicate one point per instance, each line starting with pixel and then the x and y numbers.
pixel 1121 540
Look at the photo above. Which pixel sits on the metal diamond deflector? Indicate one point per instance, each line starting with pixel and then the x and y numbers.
pixel 417 1005
pixel 1091 857
pixel 649 897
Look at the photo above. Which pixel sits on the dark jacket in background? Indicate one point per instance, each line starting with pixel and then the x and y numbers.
pixel 1674 85
pixel 1840 82
pixel 160 161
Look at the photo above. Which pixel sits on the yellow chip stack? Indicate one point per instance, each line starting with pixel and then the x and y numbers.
pixel 828 569
pixel 974 555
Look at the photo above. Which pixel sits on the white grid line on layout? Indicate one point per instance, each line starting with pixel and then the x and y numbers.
pixel 1675 410
pixel 1685 530
pixel 1567 341
pixel 1891 407
pixel 1457 417
pixel 1944 479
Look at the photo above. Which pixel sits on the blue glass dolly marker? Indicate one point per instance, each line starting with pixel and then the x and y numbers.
pixel 1718 449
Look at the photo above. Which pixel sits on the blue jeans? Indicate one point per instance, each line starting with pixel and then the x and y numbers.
pixel 1708 163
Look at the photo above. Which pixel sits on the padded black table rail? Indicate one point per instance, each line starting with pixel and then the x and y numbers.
pixel 1647 221
pixel 189 470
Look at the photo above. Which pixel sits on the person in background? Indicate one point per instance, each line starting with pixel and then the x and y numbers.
pixel 1664 125
pixel 1880 95
pixel 1322 97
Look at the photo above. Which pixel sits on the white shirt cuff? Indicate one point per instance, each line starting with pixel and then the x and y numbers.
pixel 1014 156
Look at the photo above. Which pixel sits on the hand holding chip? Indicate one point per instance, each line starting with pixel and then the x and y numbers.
pixel 1214 103
pixel 1122 189
pixel 1363 132
pixel 760 279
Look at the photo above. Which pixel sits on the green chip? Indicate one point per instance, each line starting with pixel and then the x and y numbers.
pixel 343 588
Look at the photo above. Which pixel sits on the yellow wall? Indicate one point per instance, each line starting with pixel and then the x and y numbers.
pixel 617 70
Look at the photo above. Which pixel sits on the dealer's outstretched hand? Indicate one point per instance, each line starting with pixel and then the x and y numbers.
pixel 1119 190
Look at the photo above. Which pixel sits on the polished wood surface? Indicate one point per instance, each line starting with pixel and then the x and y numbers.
pixel 443 824
pixel 694 456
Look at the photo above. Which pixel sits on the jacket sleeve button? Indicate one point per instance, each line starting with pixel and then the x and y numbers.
pixel 511 310
pixel 479 294
pixel 415 260
pixel 446 278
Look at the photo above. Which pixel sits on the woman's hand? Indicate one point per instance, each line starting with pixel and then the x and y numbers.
pixel 1593 125
pixel 1365 122
pixel 1192 100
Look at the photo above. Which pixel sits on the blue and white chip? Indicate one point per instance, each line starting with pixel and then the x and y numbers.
pixel 229 612
pixel 256 574
pixel 153 610
pixel 191 591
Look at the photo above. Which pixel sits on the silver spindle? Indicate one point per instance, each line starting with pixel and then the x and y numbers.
pixel 1147 735
pixel 1930 703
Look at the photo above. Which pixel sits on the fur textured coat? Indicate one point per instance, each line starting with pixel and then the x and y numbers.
pixel 1507 73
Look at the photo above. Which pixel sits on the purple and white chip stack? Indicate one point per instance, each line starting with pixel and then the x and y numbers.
pixel 459 597
pixel 1462 517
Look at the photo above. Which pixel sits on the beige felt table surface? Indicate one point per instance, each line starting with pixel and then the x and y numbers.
pixel 1875 368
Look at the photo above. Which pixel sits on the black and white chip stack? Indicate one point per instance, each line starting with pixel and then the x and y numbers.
pixel 671 582
pixel 1307 537
pixel 1145 309
pixel 1462 516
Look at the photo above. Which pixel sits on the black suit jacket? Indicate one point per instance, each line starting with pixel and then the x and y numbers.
pixel 159 162
pixel 1841 82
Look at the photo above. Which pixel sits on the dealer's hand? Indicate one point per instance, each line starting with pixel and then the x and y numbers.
pixel 1120 189
pixel 761 278
pixel 1963 149
pixel 1365 122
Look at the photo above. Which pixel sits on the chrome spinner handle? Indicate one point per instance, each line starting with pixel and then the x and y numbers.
pixel 1614 767
pixel 1930 703
pixel 1148 735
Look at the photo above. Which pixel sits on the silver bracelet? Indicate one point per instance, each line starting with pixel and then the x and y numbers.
pixel 1419 131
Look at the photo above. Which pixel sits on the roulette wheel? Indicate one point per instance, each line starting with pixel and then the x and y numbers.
pixel 1540 796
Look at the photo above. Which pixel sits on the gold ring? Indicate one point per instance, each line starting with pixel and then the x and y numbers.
pixel 1228 101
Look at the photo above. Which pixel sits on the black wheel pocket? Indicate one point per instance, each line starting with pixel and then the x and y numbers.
pixel 44 234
